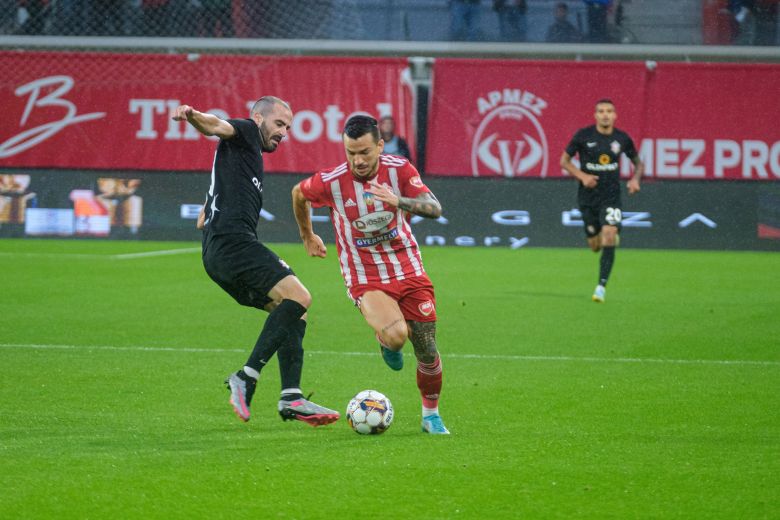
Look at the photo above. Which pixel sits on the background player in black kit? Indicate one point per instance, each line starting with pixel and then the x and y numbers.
pixel 247 270
pixel 599 147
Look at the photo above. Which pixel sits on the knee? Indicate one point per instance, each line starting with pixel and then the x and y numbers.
pixel 395 337
pixel 292 289
pixel 303 297
pixel 608 237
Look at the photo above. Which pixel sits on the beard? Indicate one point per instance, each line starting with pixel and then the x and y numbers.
pixel 267 144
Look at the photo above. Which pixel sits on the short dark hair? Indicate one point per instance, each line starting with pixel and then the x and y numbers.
pixel 360 125
pixel 605 100
pixel 265 104
pixel 563 6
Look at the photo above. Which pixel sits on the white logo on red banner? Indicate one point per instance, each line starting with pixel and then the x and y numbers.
pixel 44 92
pixel 509 140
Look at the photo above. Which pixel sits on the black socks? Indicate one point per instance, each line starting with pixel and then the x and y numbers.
pixel 605 265
pixel 279 325
pixel 290 357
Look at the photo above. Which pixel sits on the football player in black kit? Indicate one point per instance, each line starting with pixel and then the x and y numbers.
pixel 599 147
pixel 246 269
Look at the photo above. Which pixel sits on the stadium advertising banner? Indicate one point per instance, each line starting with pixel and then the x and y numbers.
pixel 109 110
pixel 689 121
pixel 504 213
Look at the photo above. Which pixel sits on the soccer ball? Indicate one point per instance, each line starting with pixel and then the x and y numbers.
pixel 370 412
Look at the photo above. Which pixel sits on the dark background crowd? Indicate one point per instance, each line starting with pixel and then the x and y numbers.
pixel 748 22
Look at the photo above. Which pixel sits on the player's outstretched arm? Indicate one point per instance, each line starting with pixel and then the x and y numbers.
pixel 302 210
pixel 206 124
pixel 587 180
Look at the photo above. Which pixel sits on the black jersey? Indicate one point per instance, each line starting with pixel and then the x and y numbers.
pixel 600 155
pixel 235 196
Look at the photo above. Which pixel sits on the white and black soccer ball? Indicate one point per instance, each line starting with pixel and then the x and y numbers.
pixel 370 412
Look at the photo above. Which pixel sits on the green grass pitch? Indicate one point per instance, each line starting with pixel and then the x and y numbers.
pixel 661 403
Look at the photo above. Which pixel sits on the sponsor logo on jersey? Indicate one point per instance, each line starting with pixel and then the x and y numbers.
pixel 368 198
pixel 591 145
pixel 375 221
pixel 350 203
pixel 426 308
pixel 416 181
pixel 604 159
pixel 615 147
pixel 509 140
pixel 611 167
pixel 374 240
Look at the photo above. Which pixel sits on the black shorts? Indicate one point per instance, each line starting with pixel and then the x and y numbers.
pixel 595 217
pixel 243 267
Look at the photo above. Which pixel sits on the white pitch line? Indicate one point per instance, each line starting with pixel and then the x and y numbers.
pixel 727 362
pixel 162 252
pixel 96 256
pixel 53 255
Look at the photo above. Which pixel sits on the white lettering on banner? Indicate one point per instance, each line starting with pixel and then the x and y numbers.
pixel 469 241
pixel 683 159
pixel 638 219
pixel 670 158
pixel 307 125
pixel 511 217
pixel 147 109
pixel 32 136
pixel 511 97
pixel 509 140
pixel 755 159
pixel 727 155
pixel 756 156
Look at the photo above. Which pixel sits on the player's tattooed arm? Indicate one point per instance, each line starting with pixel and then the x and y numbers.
pixel 425 205
pixel 424 340
pixel 639 170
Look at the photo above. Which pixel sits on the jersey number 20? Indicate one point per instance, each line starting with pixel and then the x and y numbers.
pixel 614 216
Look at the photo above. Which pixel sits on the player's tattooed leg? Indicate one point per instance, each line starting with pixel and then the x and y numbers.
pixel 423 337
pixel 394 334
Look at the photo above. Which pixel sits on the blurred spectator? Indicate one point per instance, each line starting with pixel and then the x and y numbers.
pixel 597 20
pixel 755 21
pixel 71 17
pixel 766 22
pixel 394 144
pixel 512 21
pixel 31 16
pixel 562 30
pixel 110 17
pixel 216 18
pixel 7 16
pixel 464 20
pixel 156 16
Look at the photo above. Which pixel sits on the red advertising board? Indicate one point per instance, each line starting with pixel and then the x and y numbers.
pixel 111 110
pixel 494 118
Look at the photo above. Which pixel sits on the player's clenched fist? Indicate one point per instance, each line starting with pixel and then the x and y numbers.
pixel 182 112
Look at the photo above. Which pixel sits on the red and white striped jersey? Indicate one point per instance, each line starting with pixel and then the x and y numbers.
pixel 374 241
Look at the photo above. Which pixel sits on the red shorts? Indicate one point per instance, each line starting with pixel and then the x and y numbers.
pixel 414 296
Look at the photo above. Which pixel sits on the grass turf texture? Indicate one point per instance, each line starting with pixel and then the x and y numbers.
pixel 660 403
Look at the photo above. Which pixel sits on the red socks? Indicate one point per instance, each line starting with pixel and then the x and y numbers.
pixel 429 378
